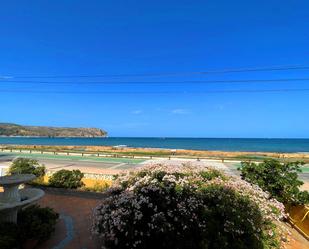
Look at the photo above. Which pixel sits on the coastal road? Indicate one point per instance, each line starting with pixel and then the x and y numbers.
pixel 88 166
pixel 113 165
pixel 102 165
pixel 105 165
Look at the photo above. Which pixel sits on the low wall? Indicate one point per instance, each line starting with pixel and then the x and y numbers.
pixel 90 180
pixel 299 218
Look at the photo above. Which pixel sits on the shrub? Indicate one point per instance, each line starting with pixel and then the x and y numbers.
pixel 279 179
pixel 8 235
pixel 36 223
pixel 33 222
pixel 27 166
pixel 229 216
pixel 67 179
pixel 186 207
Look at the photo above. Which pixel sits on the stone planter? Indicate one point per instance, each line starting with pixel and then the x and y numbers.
pixel 13 198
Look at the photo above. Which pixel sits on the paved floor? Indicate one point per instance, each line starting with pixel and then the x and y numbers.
pixel 297 241
pixel 73 228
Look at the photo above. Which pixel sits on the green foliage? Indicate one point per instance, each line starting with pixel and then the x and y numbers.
pixel 33 223
pixel 230 227
pixel 36 223
pixel 67 179
pixel 27 166
pixel 279 179
pixel 8 235
pixel 211 174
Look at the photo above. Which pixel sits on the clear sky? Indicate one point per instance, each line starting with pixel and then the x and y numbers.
pixel 62 37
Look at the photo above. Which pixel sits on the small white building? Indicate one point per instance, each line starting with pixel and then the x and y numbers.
pixel 3 170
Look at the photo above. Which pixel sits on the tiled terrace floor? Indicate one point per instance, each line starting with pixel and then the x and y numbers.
pixel 73 228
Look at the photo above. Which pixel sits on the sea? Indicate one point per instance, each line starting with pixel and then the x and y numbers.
pixel 212 144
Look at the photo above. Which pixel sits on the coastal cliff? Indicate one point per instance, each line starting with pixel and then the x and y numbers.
pixel 8 129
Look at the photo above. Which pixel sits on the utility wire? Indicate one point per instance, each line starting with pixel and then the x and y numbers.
pixel 160 92
pixel 222 71
pixel 159 82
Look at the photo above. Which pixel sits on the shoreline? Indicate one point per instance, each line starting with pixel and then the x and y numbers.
pixel 157 152
pixel 231 145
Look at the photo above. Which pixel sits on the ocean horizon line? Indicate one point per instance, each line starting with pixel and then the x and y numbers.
pixel 279 145
pixel 155 137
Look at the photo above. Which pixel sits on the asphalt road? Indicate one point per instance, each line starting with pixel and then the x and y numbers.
pixel 58 163
pixel 67 163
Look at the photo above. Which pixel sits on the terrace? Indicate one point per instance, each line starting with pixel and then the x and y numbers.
pixel 75 207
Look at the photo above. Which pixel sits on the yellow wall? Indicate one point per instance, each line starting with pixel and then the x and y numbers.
pixel 89 183
pixel 297 214
pixel 94 182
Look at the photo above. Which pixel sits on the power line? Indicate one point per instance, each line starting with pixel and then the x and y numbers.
pixel 160 92
pixel 221 71
pixel 161 82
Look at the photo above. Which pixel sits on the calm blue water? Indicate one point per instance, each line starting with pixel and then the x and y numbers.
pixel 223 144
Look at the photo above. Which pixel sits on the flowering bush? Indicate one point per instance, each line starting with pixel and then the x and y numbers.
pixel 186 206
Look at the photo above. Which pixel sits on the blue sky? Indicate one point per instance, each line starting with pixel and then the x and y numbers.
pixel 48 38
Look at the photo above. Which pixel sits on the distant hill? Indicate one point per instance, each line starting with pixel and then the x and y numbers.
pixel 7 129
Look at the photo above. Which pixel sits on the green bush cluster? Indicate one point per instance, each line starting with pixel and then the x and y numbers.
pixel 67 179
pixel 27 166
pixel 279 179
pixel 227 220
pixel 37 223
pixel 61 179
pixel 33 223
